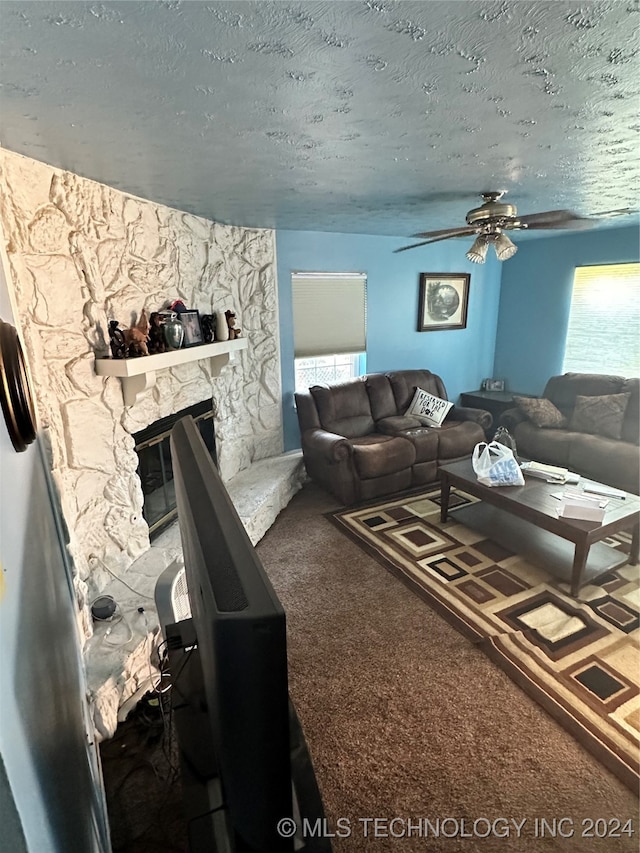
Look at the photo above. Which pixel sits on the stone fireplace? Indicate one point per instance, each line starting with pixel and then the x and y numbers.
pixel 79 254
pixel 154 463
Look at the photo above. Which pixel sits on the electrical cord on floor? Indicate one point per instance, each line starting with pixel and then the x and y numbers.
pixel 95 558
pixel 105 609
pixel 151 745
pixel 120 795
pixel 169 728
pixel 167 735
pixel 114 624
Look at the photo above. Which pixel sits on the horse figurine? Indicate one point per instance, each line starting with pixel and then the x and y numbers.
pixel 137 336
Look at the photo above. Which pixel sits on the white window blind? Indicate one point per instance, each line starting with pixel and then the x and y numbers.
pixel 604 322
pixel 329 313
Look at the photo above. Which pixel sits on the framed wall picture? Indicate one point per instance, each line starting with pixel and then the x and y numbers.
pixel 492 385
pixel 443 301
pixel 192 329
pixel 16 394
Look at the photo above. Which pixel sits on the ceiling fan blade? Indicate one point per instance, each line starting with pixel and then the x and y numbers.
pixel 620 211
pixel 447 232
pixel 434 240
pixel 557 219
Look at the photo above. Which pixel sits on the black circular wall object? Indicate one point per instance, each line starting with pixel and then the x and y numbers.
pixel 16 395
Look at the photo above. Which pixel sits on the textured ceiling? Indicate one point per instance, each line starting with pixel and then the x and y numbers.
pixel 372 116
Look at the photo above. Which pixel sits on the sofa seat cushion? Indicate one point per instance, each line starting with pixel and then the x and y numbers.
pixel 424 439
pixel 397 424
pixel 458 438
pixel 426 442
pixel 605 460
pixel 544 445
pixel 377 455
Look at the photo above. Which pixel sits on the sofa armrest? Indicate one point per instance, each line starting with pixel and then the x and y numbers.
pixel 511 418
pixel 329 446
pixel 466 413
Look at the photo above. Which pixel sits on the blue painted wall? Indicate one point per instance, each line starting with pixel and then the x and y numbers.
pixel 536 296
pixel 462 357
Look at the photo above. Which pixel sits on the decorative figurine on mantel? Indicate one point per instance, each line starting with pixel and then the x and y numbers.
pixel 172 329
pixel 128 343
pixel 137 336
pixel 116 340
pixel 208 323
pixel 222 327
pixel 231 323
pixel 157 341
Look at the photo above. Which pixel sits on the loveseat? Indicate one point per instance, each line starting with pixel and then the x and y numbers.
pixel 359 443
pixel 594 432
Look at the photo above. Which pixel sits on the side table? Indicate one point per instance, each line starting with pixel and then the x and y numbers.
pixel 495 402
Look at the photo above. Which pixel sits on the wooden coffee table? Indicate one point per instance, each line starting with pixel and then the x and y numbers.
pixel 524 520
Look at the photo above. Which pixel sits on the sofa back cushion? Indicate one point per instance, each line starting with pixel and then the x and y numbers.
pixel 381 399
pixel 563 390
pixel 540 412
pixel 344 408
pixel 602 415
pixel 631 422
pixel 404 383
pixel 306 410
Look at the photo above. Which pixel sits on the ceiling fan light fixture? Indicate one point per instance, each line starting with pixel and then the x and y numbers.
pixel 493 217
pixel 504 247
pixel 477 254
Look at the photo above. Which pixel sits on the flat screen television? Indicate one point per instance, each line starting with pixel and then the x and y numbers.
pixel 244 762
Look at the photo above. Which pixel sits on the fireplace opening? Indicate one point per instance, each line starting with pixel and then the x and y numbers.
pixel 154 463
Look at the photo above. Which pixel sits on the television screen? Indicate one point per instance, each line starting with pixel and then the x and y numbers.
pixel 243 755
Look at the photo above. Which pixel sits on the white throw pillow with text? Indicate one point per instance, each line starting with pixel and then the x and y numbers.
pixel 428 409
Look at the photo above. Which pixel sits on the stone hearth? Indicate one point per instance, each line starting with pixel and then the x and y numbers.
pixel 120 654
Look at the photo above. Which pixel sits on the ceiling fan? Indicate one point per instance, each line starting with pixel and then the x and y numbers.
pixel 492 219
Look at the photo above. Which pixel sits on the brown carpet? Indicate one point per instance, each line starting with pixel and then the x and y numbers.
pixel 406 718
pixel 142 783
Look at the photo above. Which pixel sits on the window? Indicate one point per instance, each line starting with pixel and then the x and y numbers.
pixel 329 327
pixel 604 322
pixel 328 369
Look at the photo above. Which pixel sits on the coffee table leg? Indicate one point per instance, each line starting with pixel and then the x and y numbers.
pixel 579 562
pixel 635 543
pixel 445 487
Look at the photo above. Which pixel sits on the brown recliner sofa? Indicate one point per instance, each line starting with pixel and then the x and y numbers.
pixel 613 461
pixel 358 443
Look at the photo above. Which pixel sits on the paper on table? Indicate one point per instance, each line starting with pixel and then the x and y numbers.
pixel 561 496
pixel 550 473
pixel 575 504
pixel 599 489
pixel 588 500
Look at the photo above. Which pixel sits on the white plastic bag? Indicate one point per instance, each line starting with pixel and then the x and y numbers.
pixel 495 465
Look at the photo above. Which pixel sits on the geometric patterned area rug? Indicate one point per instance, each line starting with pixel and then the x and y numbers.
pixel 579 658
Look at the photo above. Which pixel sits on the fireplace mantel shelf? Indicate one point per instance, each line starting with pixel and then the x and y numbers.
pixel 138 374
